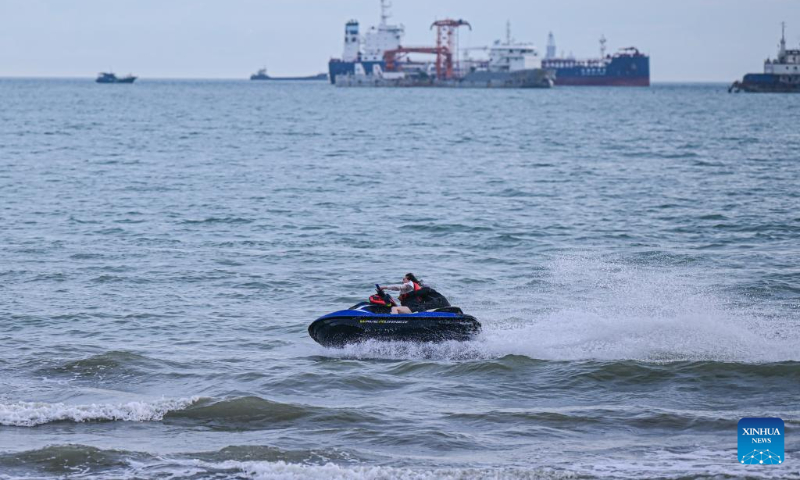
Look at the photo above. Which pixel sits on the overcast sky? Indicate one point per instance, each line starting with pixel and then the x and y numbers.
pixel 688 40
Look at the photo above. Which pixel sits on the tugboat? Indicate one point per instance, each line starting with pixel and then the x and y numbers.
pixel 781 75
pixel 262 75
pixel 111 78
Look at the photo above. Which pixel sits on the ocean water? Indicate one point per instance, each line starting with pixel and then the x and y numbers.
pixel 632 254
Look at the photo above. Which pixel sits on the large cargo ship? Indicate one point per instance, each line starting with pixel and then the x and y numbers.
pixel 781 75
pixel 627 68
pixel 378 59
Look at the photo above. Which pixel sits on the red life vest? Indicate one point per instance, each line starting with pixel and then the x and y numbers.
pixel 403 296
pixel 378 300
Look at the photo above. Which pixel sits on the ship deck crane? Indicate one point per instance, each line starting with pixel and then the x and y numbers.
pixel 446 45
pixel 390 57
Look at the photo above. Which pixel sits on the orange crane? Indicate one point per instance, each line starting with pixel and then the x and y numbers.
pixel 446 45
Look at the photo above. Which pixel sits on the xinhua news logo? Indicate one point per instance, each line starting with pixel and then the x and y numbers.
pixel 761 441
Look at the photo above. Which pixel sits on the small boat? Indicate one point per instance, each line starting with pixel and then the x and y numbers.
pixel 262 75
pixel 373 321
pixel 111 78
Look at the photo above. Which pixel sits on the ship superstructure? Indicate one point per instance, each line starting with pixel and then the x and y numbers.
pixel 362 54
pixel 781 75
pixel 382 38
pixel 512 55
pixel 510 64
pixel 627 68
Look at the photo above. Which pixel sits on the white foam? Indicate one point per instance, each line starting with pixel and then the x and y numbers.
pixel 293 471
pixel 29 414
pixel 615 311
pixel 412 350
pixel 660 464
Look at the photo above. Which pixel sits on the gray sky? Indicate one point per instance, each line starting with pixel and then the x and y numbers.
pixel 688 40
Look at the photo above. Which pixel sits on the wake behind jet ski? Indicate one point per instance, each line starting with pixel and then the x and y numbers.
pixel 438 322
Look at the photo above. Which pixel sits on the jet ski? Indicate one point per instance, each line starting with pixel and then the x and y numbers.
pixel 433 320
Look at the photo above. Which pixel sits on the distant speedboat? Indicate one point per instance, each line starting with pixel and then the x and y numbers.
pixel 111 78
pixel 262 75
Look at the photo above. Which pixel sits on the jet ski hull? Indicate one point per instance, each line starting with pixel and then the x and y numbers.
pixel 351 326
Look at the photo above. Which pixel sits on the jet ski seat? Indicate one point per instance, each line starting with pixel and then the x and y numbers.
pixel 447 310
pixel 424 299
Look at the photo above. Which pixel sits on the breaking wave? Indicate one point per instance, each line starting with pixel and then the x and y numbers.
pixel 241 413
pixel 87 460
pixel 290 471
pixel 31 414
pixel 257 463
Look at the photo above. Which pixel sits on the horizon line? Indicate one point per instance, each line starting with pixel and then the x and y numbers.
pixel 139 79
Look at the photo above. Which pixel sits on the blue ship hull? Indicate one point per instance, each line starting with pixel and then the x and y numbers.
pixel 621 71
pixel 339 67
pixel 767 83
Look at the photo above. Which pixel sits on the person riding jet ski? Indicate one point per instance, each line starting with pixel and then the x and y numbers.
pixel 415 296
pixel 433 320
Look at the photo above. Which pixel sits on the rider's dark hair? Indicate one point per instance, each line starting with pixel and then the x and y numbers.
pixel 414 279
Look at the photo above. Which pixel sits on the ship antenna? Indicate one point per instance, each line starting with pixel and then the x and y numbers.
pixel 508 32
pixel 603 46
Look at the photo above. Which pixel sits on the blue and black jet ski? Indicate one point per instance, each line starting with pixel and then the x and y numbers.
pixel 433 320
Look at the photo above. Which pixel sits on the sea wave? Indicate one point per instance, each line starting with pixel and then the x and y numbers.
pixel 255 413
pixel 603 417
pixel 212 220
pixel 65 460
pixel 115 362
pixel 238 413
pixel 290 471
pixel 31 414
pixel 91 462
pixel 94 463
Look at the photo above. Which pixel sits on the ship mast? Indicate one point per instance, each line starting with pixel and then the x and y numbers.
pixel 551 46
pixel 385 6
pixel 603 46
pixel 508 32
pixel 782 51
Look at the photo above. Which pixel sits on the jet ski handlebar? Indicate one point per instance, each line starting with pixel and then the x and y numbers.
pixel 383 295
